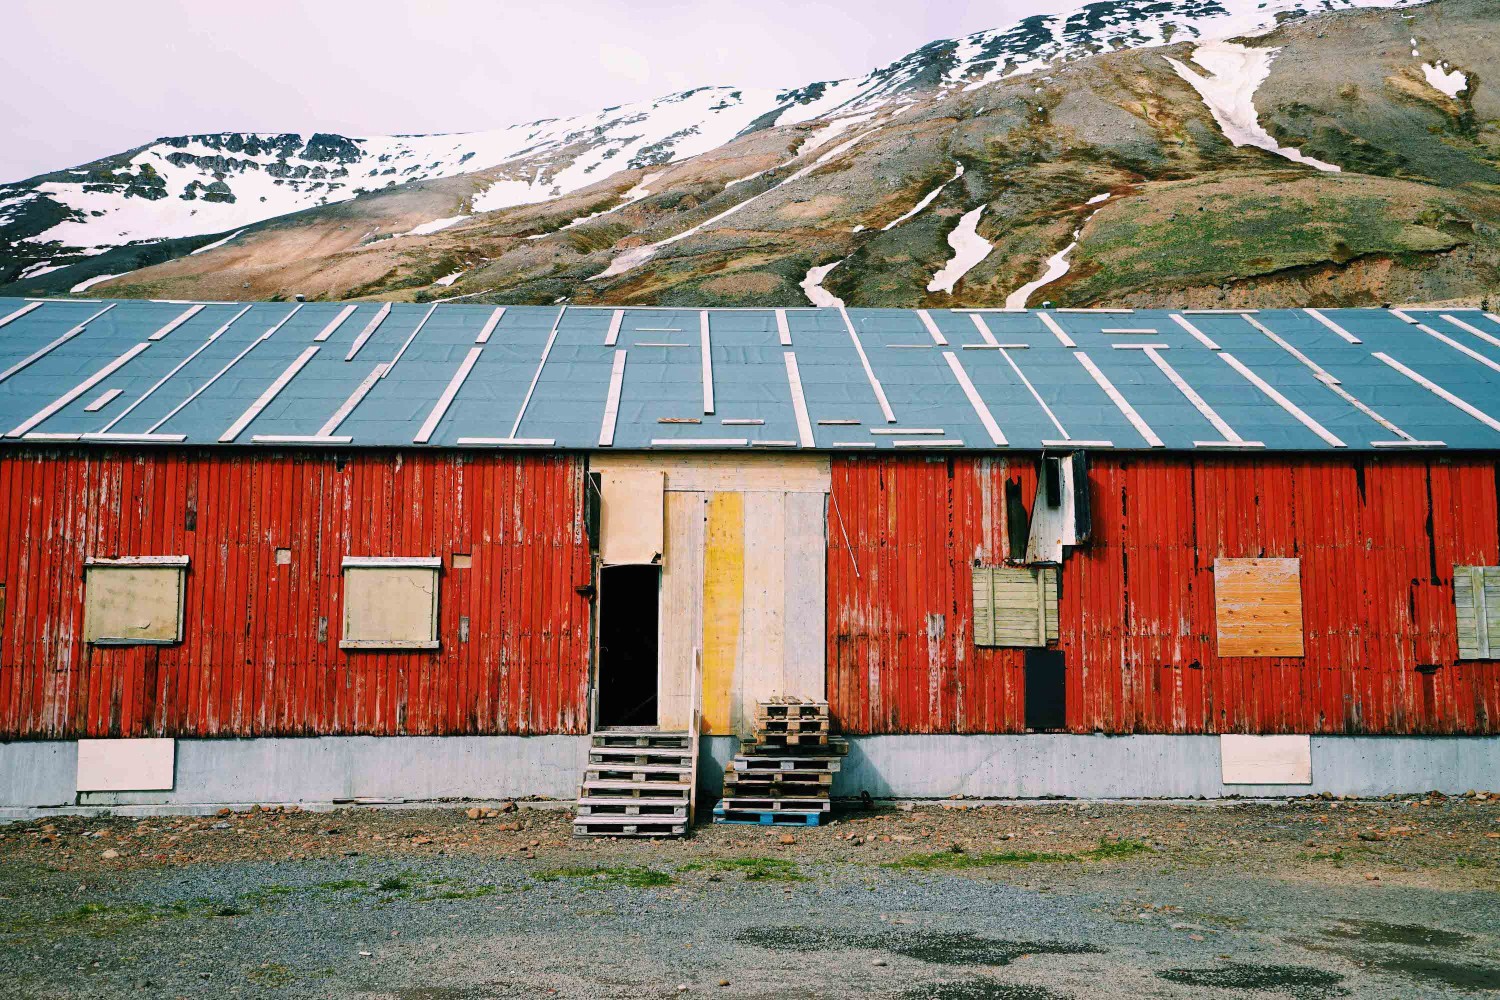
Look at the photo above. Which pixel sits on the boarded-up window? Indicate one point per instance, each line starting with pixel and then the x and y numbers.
pixel 133 601
pixel 632 519
pixel 1476 594
pixel 1258 604
pixel 1015 605
pixel 390 603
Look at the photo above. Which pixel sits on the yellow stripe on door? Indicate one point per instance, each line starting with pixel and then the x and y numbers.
pixel 723 598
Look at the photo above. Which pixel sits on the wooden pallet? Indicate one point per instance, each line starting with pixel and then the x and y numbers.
pixel 774 804
pixel 747 763
pixel 646 789
pixel 797 725
pixel 627 826
pixel 639 755
pixel 806 710
pixel 609 738
pixel 669 772
pixel 595 807
pixel 763 818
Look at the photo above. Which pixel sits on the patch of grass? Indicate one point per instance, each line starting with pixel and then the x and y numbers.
pixel 470 893
pixel 762 869
pixel 692 866
pixel 272 974
pixel 1107 850
pixel 618 877
pixel 91 918
pixel 342 885
pixel 393 884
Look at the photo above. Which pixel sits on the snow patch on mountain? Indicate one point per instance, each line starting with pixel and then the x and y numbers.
pixel 1446 81
pixel 1236 73
pixel 969 248
pixel 1058 264
pixel 216 243
pixel 812 286
pixel 427 228
pixel 927 199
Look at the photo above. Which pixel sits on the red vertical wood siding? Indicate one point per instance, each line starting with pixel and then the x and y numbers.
pixel 1378 538
pixel 252 662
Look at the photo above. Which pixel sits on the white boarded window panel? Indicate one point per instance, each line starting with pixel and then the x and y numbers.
pixel 126 765
pixel 631 517
pixel 1014 605
pixel 391 606
pixel 1476 597
pixel 1258 606
pixel 1265 760
pixel 133 604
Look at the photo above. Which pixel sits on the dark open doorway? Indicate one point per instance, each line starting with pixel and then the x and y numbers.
pixel 1046 690
pixel 628 601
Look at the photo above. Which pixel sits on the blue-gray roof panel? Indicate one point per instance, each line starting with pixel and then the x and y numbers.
pixel 1274 380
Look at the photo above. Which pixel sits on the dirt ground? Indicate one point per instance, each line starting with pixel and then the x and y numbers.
pixel 955 900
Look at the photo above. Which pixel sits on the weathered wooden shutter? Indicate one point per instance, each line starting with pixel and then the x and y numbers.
pixel 1014 605
pixel 1476 595
pixel 1258 607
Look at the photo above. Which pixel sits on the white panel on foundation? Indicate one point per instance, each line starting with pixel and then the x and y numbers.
pixel 125 765
pixel 1266 760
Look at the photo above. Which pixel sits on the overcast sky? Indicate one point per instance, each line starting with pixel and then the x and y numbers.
pixel 85 78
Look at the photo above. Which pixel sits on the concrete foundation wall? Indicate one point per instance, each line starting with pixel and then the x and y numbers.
pixel 1126 767
pixel 331 770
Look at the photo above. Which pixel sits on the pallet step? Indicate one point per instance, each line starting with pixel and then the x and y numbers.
pixel 647 812
pixel 609 738
pixel 642 755
pixel 656 789
pixel 591 827
pixel 774 804
pixel 623 767
pixel 792 775
pixel 774 818
pixel 621 820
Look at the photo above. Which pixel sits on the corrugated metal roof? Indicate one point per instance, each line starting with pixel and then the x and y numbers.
pixel 649 378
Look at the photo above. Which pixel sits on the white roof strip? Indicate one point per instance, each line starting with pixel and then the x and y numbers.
pixel 1441 393
pixel 699 442
pixel 218 374
pixel 138 438
pixel 1199 403
pixel 928 443
pixel 510 442
pixel 1279 341
pixel 1336 328
pixel 104 400
pixel 1488 338
pixel 1136 421
pixel 430 425
pixel 933 431
pixel 175 369
pixel 162 333
pixel 612 404
pixel 1461 348
pixel 265 398
pixel 1129 329
pixel 12 317
pixel 799 401
pixel 612 335
pixel 489 326
pixel 932 328
pixel 981 409
pixel 551 339
pixel 79 390
pixel 359 393
pixel 298 439
pixel 1057 330
pixel 1282 401
pixel 1402 316
pixel 334 324
pixel 984 331
pixel 1196 333
pixel 708 362
pixel 407 343
pixel 885 406
pixel 41 353
pixel 368 331
pixel 783 331
pixel 1034 394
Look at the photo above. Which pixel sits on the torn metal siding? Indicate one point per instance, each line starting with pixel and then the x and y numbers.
pixel 1378 539
pixel 260 654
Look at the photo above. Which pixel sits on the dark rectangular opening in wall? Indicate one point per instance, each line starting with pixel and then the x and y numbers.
pixel 628 600
pixel 1046 692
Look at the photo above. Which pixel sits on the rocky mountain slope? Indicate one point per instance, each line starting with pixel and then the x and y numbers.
pixel 1206 152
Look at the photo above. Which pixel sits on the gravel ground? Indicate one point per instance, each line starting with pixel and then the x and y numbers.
pixel 1303 899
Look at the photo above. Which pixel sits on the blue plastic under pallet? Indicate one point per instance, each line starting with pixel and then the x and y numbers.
pixel 756 818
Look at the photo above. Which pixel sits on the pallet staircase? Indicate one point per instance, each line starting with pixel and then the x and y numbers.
pixel 638 783
pixel 642 781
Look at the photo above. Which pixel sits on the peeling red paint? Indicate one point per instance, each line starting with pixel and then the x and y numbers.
pixel 260 653
pixel 1136 613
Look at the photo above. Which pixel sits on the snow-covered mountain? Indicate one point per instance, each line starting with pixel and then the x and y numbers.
pixel 182 192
